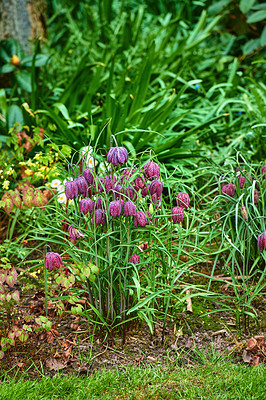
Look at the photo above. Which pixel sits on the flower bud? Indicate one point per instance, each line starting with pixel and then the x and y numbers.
pixel 117 155
pixel 15 60
pixel 115 208
pixel 99 217
pixel 262 242
pixel 242 180
pixel 89 175
pixel 177 215
pixel 156 187
pixel 151 170
pixel 82 185
pixel 86 206
pixel 182 200
pixel 71 190
pixel 255 197
pixel 129 209
pixel 244 213
pixel 229 189
pixel 135 259
pixel 140 219
pixel 74 233
pixel 53 260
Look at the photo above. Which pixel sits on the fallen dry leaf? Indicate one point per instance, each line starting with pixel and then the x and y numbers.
pixel 55 364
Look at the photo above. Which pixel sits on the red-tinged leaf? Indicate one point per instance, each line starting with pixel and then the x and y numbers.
pixel 2 354
pixel 3 275
pixel 2 289
pixel 17 199
pixel 255 360
pixel 11 278
pixel 2 297
pixel 28 197
pixel 15 295
pixel 16 331
pixel 7 204
pixel 260 340
pixel 39 199
pixel 23 337
pixel 8 297
pixel 11 335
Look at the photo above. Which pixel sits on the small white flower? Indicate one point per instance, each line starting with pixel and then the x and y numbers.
pixel 91 162
pixel 60 188
pixel 55 183
pixel 103 168
pixel 88 150
pixel 62 198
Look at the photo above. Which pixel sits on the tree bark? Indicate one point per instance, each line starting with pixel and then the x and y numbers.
pixel 23 20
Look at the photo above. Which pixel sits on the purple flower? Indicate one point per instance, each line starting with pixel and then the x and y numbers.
pixel 108 184
pixel 229 189
pixel 135 259
pixel 130 193
pixel 86 205
pixel 99 217
pixel 242 180
pixel 244 213
pixel 71 190
pixel 263 171
pixel 151 170
pixel 82 185
pixel 177 215
pixel 117 155
pixel 99 184
pixel 145 191
pixel 139 182
pixel 129 209
pixel 156 187
pixel 182 200
pixel 115 208
pixel 255 197
pixel 89 175
pixel 53 260
pixel 140 219
pixel 74 233
pixel 262 242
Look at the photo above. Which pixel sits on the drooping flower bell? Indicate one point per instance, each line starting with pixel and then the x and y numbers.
pixel 135 259
pixel 262 242
pixel 129 209
pixel 115 208
pixel 182 200
pixel 229 189
pixel 75 233
pixel 178 215
pixel 145 191
pixel 86 206
pixel 139 182
pixel 156 187
pixel 263 171
pixel 99 217
pixel 244 213
pixel 89 175
pixel 117 155
pixel 108 184
pixel 82 185
pixel 242 181
pixel 151 170
pixel 140 219
pixel 71 190
pixel 53 260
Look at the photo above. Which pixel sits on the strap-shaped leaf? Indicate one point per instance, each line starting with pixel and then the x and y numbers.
pixel 7 204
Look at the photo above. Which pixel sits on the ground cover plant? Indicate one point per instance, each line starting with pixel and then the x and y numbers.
pixel 133 194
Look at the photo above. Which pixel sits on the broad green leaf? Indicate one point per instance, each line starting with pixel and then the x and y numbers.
pixel 11 277
pixel 246 5
pixel 39 199
pixel 7 68
pixel 23 79
pixel 16 199
pixel 256 17
pixel 14 115
pixel 28 197
pixel 3 275
pixel 15 295
pixel 7 203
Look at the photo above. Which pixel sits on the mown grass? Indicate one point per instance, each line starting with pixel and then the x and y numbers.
pixel 211 381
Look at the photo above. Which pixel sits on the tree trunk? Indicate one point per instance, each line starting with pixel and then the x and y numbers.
pixel 23 20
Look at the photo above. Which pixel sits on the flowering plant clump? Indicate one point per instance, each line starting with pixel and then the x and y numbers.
pixel 115 210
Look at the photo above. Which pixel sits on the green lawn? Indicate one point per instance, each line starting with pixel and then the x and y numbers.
pixel 217 382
